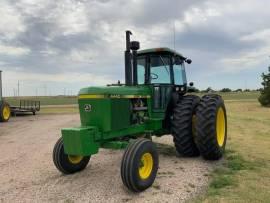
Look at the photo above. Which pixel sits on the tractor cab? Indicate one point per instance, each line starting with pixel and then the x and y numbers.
pixel 164 71
pixel 160 69
pixel 161 66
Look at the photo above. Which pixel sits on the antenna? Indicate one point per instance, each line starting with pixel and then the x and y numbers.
pixel 174 35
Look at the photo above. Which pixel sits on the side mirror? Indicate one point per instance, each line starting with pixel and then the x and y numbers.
pixel 188 61
pixel 191 84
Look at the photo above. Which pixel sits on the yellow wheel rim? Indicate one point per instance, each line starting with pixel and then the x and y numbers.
pixel 146 166
pixel 220 126
pixel 75 159
pixel 6 112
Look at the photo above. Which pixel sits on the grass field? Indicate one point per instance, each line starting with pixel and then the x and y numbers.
pixel 244 175
pixel 65 100
pixel 53 100
pixel 50 105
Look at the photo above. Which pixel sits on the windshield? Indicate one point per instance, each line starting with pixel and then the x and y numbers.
pixel 160 70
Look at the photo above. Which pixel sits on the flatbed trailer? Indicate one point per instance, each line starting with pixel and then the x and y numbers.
pixel 26 106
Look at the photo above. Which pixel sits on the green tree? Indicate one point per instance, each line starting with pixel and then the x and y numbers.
pixel 207 90
pixel 264 98
pixel 238 90
pixel 225 90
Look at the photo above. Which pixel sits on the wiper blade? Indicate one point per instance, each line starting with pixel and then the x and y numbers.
pixel 164 65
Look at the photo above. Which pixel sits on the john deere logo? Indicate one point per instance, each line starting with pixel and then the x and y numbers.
pixel 87 107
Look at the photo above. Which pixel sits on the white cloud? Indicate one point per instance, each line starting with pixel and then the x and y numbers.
pixel 80 36
pixel 71 17
pixel 68 77
pixel 263 35
pixel 252 58
pixel 11 50
pixel 11 22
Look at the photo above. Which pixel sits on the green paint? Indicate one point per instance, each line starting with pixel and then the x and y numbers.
pixel 116 90
pixel 104 118
pixel 80 141
pixel 107 114
pixel 87 140
pixel 115 144
pixel 120 113
pixel 99 116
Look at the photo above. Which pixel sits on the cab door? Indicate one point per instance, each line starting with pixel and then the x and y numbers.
pixel 161 81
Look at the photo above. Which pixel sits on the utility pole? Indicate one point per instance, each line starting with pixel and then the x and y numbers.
pixel 1 94
pixel 18 88
pixel 45 89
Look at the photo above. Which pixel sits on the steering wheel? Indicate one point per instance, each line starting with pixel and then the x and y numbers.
pixel 155 76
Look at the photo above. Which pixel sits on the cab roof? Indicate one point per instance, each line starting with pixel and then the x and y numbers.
pixel 160 50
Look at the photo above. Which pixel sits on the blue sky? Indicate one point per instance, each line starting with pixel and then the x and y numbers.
pixel 56 47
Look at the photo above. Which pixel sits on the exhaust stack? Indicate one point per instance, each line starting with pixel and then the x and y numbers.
pixel 128 68
pixel 131 60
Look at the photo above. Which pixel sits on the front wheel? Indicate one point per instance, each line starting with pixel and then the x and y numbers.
pixel 68 164
pixel 139 165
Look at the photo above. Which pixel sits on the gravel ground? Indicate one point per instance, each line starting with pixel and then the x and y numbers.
pixel 27 173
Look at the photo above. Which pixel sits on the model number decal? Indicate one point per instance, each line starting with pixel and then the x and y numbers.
pixel 114 96
pixel 87 107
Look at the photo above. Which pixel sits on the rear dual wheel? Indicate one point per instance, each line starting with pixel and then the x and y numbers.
pixel 183 126
pixel 5 112
pixel 139 165
pixel 211 127
pixel 68 164
pixel 199 126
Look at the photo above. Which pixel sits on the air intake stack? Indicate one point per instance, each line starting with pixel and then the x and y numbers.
pixel 128 68
pixel 131 60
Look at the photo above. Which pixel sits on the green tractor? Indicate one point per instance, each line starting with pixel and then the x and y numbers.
pixel 152 102
pixel 5 110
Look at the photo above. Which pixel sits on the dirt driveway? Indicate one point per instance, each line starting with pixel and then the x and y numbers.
pixel 27 173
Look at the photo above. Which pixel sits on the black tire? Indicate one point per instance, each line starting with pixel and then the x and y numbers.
pixel 63 162
pixel 5 111
pixel 183 126
pixel 207 137
pixel 132 172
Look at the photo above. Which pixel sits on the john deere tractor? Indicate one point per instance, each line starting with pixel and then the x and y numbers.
pixel 154 101
pixel 5 111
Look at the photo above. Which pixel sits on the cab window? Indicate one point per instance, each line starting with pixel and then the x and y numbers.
pixel 160 70
pixel 179 74
pixel 141 65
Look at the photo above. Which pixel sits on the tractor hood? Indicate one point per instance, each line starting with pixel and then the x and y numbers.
pixel 115 91
pixel 109 108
